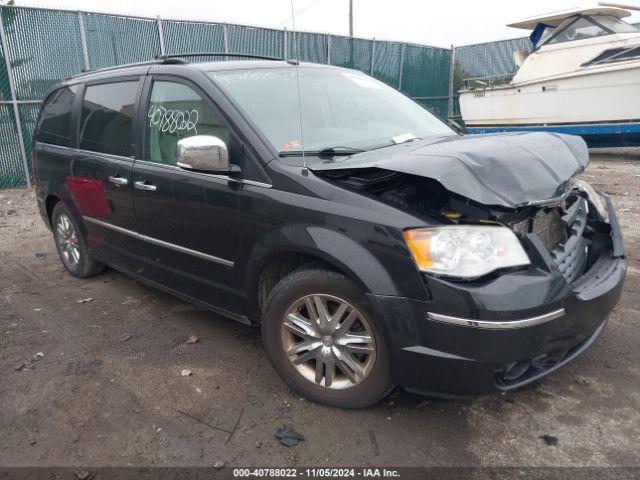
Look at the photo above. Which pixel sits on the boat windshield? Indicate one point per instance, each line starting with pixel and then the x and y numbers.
pixel 582 27
pixel 615 24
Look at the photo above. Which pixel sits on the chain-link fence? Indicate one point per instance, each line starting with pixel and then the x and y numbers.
pixel 40 47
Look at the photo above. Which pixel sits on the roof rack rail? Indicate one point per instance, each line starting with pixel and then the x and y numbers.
pixel 157 60
pixel 215 54
pixel 174 59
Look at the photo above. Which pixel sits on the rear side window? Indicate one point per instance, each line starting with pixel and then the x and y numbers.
pixel 54 125
pixel 107 118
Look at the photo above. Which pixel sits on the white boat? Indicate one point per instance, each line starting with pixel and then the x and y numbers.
pixel 582 77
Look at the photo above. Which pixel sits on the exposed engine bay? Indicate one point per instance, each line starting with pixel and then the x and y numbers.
pixel 573 229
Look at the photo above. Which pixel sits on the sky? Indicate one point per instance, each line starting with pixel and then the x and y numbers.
pixel 414 21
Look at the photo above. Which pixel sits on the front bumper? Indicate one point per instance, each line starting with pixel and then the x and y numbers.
pixel 504 333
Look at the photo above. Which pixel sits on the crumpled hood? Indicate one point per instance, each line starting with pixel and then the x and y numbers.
pixel 508 170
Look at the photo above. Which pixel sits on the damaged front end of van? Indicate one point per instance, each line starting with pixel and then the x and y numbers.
pixel 522 261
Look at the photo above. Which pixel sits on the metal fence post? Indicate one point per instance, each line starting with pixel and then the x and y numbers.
pixel 161 35
pixel 83 42
pixel 401 67
pixel 373 54
pixel 225 37
pixel 451 81
pixel 14 101
pixel 285 44
pixel 328 49
pixel 295 45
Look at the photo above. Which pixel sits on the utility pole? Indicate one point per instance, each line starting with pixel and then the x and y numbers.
pixel 351 18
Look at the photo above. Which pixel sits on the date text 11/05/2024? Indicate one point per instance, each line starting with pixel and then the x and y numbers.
pixel 316 473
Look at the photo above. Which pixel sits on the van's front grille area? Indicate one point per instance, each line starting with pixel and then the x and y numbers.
pixel 550 228
pixel 571 256
pixel 547 224
pixel 562 234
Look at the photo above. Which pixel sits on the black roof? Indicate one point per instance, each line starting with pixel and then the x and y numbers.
pixel 137 68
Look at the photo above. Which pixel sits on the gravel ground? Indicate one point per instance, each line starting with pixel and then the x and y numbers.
pixel 108 390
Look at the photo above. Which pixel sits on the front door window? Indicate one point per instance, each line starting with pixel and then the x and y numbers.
pixel 176 111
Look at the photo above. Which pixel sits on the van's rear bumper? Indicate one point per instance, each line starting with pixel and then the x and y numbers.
pixel 503 334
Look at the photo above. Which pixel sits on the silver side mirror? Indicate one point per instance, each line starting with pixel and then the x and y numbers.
pixel 206 153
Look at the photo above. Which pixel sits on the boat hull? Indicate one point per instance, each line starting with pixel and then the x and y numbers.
pixel 603 107
pixel 598 135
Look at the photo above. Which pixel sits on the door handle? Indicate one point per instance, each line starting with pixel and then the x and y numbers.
pixel 118 180
pixel 142 185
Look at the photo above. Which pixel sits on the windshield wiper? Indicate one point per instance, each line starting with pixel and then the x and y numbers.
pixel 323 152
pixel 335 151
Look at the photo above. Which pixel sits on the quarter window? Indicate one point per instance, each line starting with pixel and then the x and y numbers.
pixel 55 120
pixel 177 111
pixel 107 118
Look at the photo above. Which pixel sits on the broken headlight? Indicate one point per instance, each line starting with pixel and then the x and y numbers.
pixel 594 197
pixel 465 251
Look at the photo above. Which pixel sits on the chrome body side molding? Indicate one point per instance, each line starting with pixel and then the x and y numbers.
pixel 497 324
pixel 162 243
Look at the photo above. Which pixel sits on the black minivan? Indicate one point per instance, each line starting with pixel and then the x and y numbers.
pixel 373 244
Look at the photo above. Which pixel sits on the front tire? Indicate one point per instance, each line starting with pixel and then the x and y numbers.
pixel 71 245
pixel 325 341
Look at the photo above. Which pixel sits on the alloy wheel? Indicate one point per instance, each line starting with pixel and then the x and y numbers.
pixel 67 240
pixel 328 341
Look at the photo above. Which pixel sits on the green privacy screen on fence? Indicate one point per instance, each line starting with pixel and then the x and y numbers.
pixel 46 46
pixel 11 168
pixel 114 40
pixel 12 172
pixel 189 37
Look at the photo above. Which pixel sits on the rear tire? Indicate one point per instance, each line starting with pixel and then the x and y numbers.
pixel 338 358
pixel 71 245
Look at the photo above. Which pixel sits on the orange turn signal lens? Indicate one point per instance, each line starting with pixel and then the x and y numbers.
pixel 419 242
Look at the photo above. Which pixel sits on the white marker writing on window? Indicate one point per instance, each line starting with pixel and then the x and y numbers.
pixel 172 121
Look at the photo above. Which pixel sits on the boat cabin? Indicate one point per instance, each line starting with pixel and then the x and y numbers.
pixel 571 40
pixel 581 78
pixel 575 24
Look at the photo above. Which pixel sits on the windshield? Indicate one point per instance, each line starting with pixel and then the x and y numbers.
pixel 341 109
pixel 585 27
pixel 615 24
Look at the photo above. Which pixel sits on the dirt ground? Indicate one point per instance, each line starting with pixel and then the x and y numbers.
pixel 108 390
